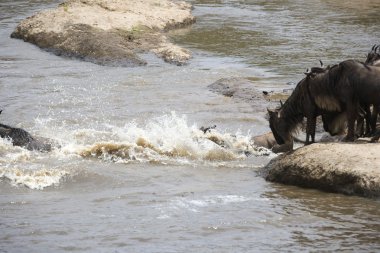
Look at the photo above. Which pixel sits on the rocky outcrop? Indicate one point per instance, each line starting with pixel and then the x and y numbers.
pixel 22 138
pixel 109 32
pixel 349 168
pixel 243 89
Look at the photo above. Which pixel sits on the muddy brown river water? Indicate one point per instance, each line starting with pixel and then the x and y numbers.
pixel 134 173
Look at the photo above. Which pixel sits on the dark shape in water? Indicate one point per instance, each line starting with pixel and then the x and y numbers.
pixel 22 138
pixel 207 129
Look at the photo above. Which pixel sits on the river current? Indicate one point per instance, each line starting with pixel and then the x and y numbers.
pixel 134 172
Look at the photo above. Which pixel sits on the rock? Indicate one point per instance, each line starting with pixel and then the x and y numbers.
pixel 240 89
pixel 277 96
pixel 349 168
pixel 109 32
pixel 266 140
pixel 22 138
pixel 243 89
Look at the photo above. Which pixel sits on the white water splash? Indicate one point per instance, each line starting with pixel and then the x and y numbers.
pixel 180 205
pixel 169 138
pixel 34 179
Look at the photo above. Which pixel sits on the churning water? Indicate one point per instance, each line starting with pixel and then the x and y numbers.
pixel 134 172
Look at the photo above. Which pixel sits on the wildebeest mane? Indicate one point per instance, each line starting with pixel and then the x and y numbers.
pixel 292 109
pixel 316 89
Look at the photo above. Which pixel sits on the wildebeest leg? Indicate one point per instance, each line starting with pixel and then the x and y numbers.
pixel 360 126
pixel 376 136
pixel 368 119
pixel 310 129
pixel 351 118
pixel 375 111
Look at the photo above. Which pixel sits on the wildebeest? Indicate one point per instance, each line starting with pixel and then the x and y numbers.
pixel 360 84
pixel 22 138
pixel 303 103
pixel 342 87
pixel 373 57
pixel 364 113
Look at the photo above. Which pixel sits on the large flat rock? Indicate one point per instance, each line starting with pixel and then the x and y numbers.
pixel 109 32
pixel 349 168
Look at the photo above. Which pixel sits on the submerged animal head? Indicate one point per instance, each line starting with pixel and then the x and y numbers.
pixel 334 123
pixel 278 126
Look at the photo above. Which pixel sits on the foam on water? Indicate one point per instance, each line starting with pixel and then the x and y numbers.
pixel 168 139
pixel 186 204
pixel 21 167
pixel 33 179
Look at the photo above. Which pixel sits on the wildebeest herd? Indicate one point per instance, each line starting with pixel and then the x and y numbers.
pixel 345 93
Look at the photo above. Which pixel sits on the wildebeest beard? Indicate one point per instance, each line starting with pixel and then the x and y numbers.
pixel 283 121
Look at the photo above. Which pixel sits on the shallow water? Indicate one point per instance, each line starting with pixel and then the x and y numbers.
pixel 134 172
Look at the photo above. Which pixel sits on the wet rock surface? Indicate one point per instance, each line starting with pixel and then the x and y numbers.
pixel 109 32
pixel 20 137
pixel 349 168
pixel 242 89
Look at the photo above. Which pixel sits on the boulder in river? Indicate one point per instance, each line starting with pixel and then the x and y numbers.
pixel 22 138
pixel 349 168
pixel 109 32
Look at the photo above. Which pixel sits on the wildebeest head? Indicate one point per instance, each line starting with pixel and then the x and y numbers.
pixel 334 122
pixel 279 127
pixel 373 56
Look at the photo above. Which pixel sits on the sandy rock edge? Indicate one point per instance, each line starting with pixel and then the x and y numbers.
pixel 318 173
pixel 98 45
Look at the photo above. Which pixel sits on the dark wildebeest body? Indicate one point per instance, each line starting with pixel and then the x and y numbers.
pixel 346 87
pixel 303 103
pixel 373 59
pixel 22 138
pixel 357 84
pixel 327 92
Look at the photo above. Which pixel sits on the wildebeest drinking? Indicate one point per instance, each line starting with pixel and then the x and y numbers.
pixel 303 103
pixel 342 87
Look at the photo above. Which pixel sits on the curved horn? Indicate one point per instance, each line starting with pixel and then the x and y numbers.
pixel 377 48
pixel 373 47
pixel 321 63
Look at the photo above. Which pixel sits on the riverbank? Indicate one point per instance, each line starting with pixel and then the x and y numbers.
pixel 109 32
